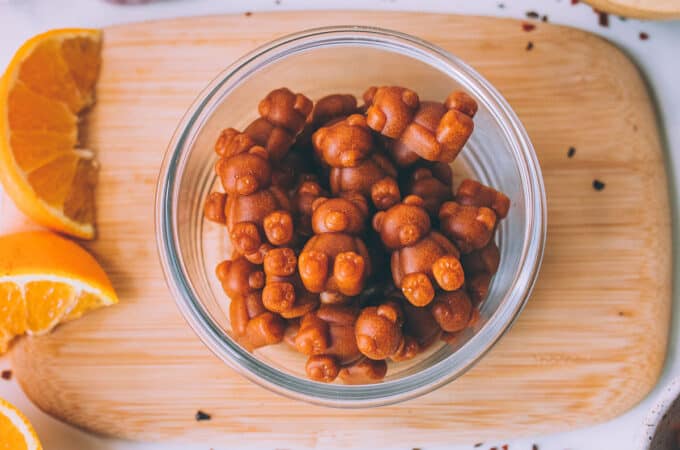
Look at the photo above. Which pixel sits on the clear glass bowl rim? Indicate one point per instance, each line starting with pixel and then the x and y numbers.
pixel 335 395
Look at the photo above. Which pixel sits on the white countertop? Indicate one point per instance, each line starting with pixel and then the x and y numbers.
pixel 658 58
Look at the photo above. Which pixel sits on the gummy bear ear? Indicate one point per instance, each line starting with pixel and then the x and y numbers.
pixel 303 105
pixel 369 94
pixel 357 199
pixel 447 209
pixel 310 187
pixel 414 200
pixel 378 219
pixel 357 120
pixel 318 136
pixel 259 151
pixel 318 202
pixel 265 106
pixel 410 98
pixel 220 165
pixel 222 269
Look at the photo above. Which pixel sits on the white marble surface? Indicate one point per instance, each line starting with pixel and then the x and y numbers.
pixel 658 58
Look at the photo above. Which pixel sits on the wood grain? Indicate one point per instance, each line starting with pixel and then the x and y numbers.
pixel 589 345
pixel 642 9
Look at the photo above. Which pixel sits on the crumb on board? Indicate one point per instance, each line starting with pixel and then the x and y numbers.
pixel 200 416
pixel 598 185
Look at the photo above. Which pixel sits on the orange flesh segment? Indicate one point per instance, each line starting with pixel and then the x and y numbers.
pixel 52 182
pixel 46 303
pixel 45 72
pixel 28 110
pixel 12 439
pixel 12 314
pixel 83 59
pixel 86 302
pixel 33 149
pixel 79 203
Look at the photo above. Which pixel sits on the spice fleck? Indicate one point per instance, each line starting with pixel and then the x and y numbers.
pixel 532 15
pixel 501 6
pixel 248 13
pixel 598 185
pixel 643 36
pixel 571 152
pixel 200 416
pixel 544 18
pixel 528 26
pixel 575 2
pixel 534 447
pixel 479 444
pixel 6 374
pixel 602 18
pixel 530 45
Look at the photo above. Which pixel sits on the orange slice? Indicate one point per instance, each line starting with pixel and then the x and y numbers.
pixel 45 280
pixel 45 90
pixel 16 431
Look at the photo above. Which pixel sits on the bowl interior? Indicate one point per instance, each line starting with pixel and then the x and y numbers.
pixel 348 63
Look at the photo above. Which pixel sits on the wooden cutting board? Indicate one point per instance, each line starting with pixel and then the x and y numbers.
pixel 643 9
pixel 589 345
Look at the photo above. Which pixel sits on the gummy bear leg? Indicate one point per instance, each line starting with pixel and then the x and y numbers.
pixel 417 288
pixel 448 272
pixel 280 262
pixel 278 296
pixel 322 368
pixel 313 268
pixel 349 270
pixel 385 193
pixel 278 226
pixel 245 237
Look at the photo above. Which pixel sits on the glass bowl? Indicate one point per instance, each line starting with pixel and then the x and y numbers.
pixel 346 60
pixel 660 429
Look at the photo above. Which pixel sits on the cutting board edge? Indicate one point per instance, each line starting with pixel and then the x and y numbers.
pixel 257 439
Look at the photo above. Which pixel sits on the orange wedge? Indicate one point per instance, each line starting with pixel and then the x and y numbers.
pixel 46 279
pixel 16 432
pixel 46 88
